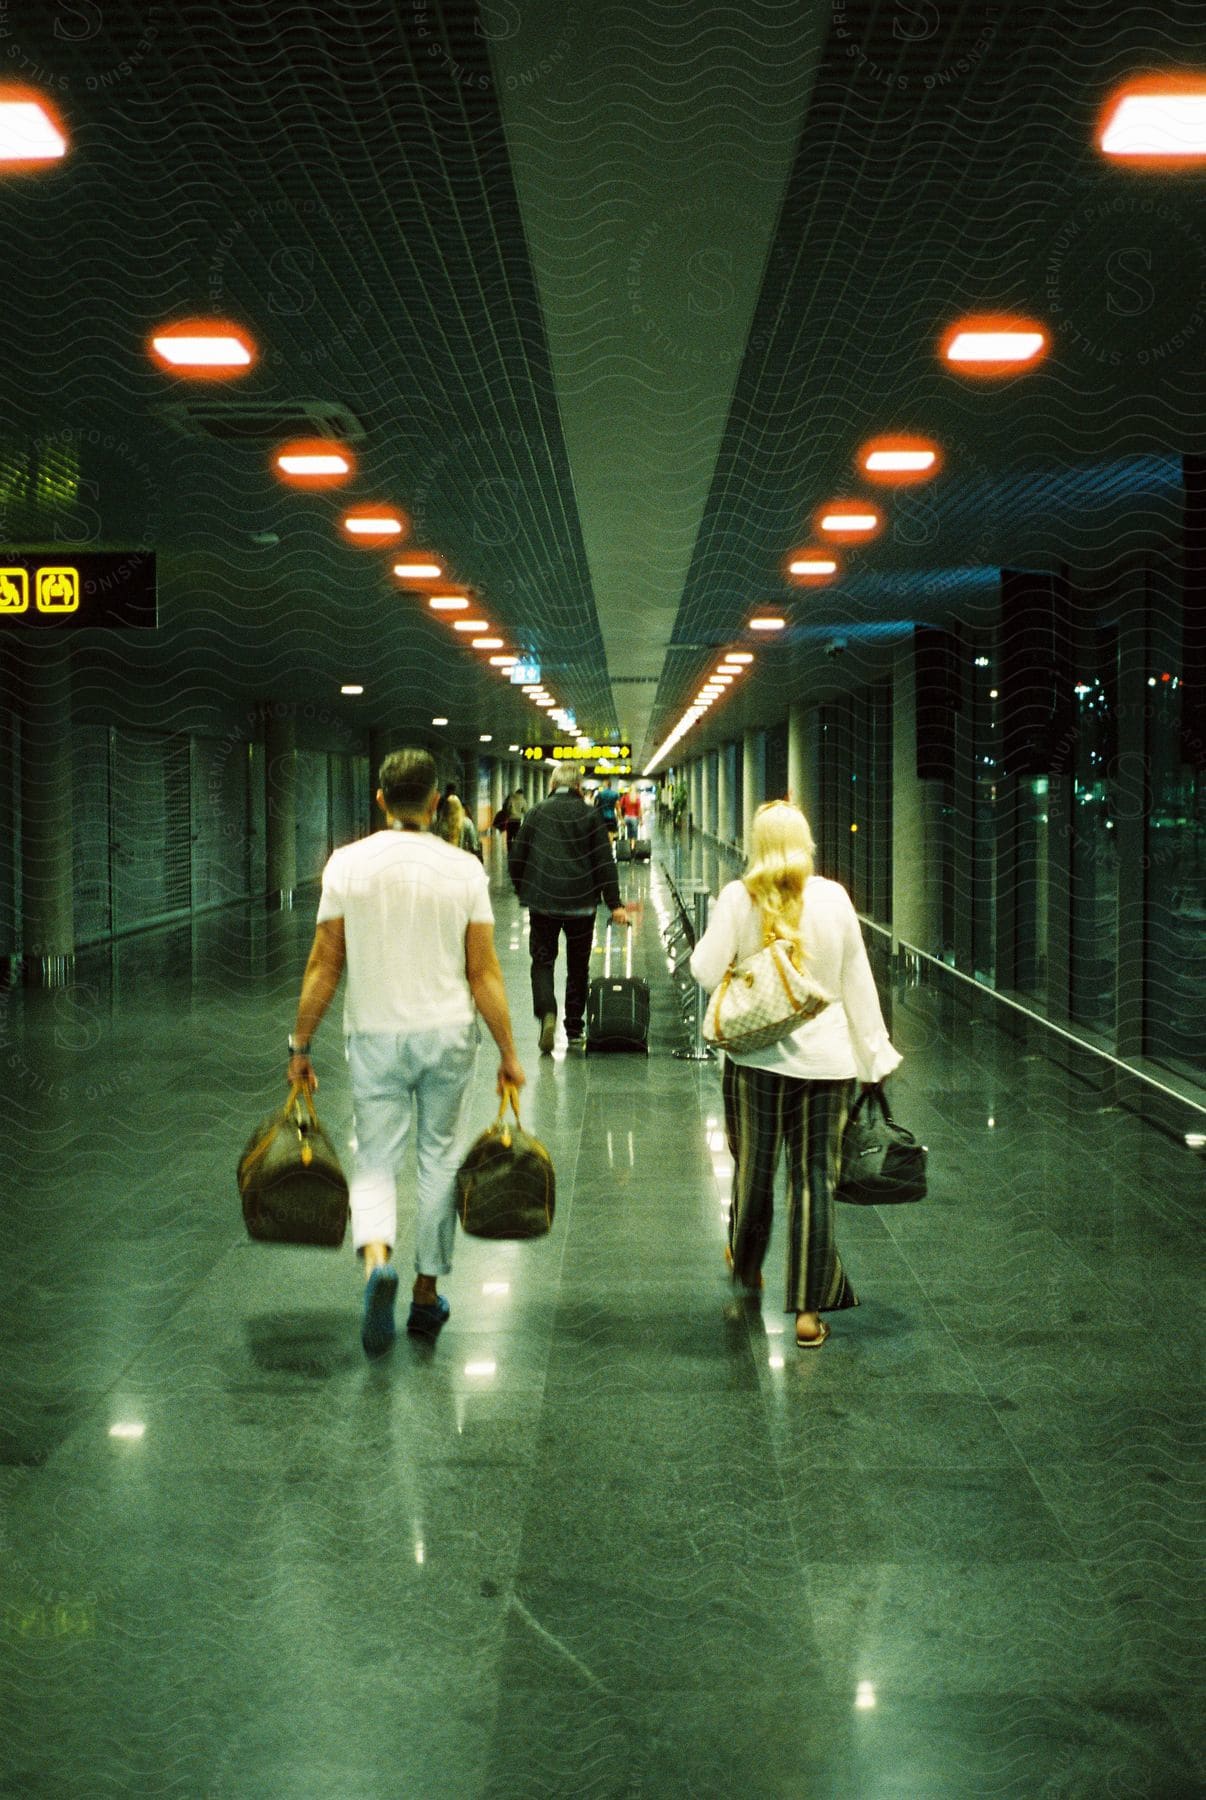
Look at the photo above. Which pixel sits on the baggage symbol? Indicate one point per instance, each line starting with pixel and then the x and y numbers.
pixel 14 591
pixel 58 590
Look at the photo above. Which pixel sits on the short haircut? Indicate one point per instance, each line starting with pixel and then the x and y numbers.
pixel 408 779
pixel 566 775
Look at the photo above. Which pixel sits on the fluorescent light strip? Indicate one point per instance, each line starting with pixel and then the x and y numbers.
pixel 203 352
pixel 1157 125
pixel 28 133
pixel 995 346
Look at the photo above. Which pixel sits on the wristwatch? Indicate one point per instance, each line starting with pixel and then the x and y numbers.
pixel 298 1049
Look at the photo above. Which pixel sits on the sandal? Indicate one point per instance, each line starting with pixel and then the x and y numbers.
pixel 813 1343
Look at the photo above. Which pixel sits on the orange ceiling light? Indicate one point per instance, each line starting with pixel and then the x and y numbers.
pixel 314 462
pixel 375 525
pixel 1155 122
pixel 849 519
pixel 896 460
pixel 203 349
pixel 418 568
pixel 31 131
pixel 989 345
pixel 811 566
pixel 768 622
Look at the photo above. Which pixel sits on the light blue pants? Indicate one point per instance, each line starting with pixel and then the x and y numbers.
pixel 431 1073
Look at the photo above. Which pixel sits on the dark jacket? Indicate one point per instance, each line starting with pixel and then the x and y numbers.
pixel 561 861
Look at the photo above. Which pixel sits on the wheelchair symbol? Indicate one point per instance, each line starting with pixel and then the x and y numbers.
pixel 58 590
pixel 14 591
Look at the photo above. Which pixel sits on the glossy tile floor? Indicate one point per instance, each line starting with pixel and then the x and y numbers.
pixel 613 1535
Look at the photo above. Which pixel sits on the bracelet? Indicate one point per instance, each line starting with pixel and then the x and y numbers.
pixel 298 1049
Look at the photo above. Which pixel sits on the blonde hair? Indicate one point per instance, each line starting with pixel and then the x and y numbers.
pixel 451 821
pixel 781 860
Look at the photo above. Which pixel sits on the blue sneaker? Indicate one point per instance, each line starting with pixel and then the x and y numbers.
pixel 425 1321
pixel 380 1292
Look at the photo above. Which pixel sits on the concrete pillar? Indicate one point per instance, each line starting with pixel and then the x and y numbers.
pixel 48 923
pixel 916 903
pixel 722 794
pixel 280 781
pixel 753 780
pixel 802 767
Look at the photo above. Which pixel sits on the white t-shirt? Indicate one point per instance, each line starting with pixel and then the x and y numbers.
pixel 849 1037
pixel 405 898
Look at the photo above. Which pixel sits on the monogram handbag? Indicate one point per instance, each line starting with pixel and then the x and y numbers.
pixel 761 1000
pixel 506 1188
pixel 290 1182
pixel 881 1164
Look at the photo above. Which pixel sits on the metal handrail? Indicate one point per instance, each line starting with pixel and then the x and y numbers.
pixel 1072 1037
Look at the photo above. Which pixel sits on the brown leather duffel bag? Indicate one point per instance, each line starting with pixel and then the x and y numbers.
pixel 290 1182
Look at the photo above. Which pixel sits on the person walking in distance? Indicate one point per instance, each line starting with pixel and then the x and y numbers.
pixel 561 865
pixel 793 1094
pixel 409 917
pixel 629 811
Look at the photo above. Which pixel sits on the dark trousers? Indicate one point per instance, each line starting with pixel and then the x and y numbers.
pixel 544 930
pixel 764 1115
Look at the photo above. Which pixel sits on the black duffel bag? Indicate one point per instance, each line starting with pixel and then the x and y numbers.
pixel 881 1163
pixel 290 1182
pixel 506 1188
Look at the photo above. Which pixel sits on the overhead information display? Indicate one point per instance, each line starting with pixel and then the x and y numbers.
pixel 583 753
pixel 110 588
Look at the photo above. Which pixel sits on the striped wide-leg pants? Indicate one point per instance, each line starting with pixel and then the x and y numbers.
pixel 765 1113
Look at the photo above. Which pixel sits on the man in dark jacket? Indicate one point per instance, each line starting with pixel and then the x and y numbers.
pixel 561 865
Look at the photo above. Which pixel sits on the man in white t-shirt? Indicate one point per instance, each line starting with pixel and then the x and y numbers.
pixel 409 916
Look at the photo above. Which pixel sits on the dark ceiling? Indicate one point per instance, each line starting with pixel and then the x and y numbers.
pixel 610 296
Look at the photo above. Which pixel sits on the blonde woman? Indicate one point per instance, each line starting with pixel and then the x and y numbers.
pixel 455 826
pixel 793 1095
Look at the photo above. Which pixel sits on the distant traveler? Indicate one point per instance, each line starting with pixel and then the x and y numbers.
pixel 454 825
pixel 630 812
pixel 794 1093
pixel 411 917
pixel 561 865
pixel 509 816
pixel 607 799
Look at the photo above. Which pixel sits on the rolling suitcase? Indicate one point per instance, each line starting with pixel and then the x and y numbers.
pixel 617 1007
pixel 642 850
pixel 624 849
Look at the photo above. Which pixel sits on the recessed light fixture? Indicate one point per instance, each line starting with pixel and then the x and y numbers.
pixel 740 656
pixel 767 623
pixel 448 603
pixel 503 662
pixel 351 688
pixel 1157 121
pixel 418 570
pixel 314 462
pixel 487 643
pixel 31 134
pixel 513 749
pixel 439 721
pixel 206 348
pixel 899 460
pixel 130 1429
pixel 375 523
pixel 812 565
pixel 487 737
pixel 849 519
pixel 471 624
pixel 992 344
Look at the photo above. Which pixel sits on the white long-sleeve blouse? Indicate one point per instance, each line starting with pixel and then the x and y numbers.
pixel 849 1037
